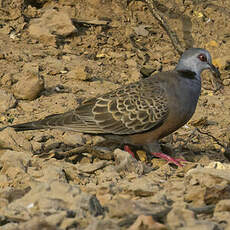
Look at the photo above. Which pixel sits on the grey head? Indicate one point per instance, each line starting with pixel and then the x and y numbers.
pixel 196 60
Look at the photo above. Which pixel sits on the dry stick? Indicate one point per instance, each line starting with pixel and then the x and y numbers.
pixel 214 138
pixel 159 17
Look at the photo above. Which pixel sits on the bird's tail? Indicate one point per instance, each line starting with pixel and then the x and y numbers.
pixel 28 126
pixel 48 122
pixel 25 126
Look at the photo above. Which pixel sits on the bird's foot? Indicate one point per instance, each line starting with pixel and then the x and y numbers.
pixel 176 161
pixel 127 149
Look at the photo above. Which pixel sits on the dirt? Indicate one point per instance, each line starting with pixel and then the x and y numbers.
pixel 56 54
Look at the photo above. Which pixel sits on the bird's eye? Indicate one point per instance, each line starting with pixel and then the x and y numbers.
pixel 202 57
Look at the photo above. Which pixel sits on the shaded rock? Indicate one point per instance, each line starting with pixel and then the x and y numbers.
pixel 56 198
pixel 7 101
pixel 222 210
pixel 14 178
pixel 139 186
pixel 13 159
pixel 104 194
pixel 226 82
pixel 222 62
pixel 223 206
pixel 95 207
pixel 78 73
pixel 196 194
pixel 180 216
pixel 126 163
pixel 146 222
pixel 10 139
pixel 49 172
pixel 218 165
pixel 124 208
pixel 9 195
pixel 3 202
pixel 8 14
pixel 52 65
pixel 56 218
pixel 92 167
pixel 211 184
pixel 51 23
pixel 102 224
pixel 140 30
pixel 37 223
pixel 73 138
pixel 69 223
pixel 202 225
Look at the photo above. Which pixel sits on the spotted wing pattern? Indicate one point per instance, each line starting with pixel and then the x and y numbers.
pixel 134 108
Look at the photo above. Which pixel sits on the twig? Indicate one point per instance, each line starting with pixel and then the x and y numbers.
pixel 159 17
pixel 214 138
pixel 90 22
pixel 208 209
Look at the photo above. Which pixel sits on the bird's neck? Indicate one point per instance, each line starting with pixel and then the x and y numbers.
pixel 187 73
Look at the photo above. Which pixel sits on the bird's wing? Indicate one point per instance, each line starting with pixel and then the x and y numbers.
pixel 131 109
pixel 135 108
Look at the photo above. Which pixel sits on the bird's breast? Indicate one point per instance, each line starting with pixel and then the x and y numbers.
pixel 182 101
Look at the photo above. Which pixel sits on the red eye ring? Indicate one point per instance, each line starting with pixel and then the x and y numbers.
pixel 202 57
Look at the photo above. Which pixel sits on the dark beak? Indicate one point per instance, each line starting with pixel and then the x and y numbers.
pixel 215 71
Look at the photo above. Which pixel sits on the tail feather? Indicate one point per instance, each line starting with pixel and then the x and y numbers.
pixel 64 121
pixel 47 122
pixel 51 121
pixel 28 126
pixel 24 126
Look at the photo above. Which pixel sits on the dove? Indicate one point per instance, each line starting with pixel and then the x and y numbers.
pixel 140 113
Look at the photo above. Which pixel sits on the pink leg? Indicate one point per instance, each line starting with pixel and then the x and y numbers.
pixel 169 159
pixel 127 149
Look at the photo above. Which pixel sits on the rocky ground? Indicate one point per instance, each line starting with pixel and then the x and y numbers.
pixel 56 54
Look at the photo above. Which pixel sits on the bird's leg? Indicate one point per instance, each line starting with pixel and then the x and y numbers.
pixel 155 150
pixel 127 149
pixel 175 161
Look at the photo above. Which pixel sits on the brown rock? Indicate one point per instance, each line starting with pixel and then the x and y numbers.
pixel 140 30
pixel 7 101
pixel 223 206
pixel 102 224
pixel 29 86
pixel 222 62
pixel 73 138
pixel 202 225
pixel 212 184
pixel 37 223
pixel 15 159
pixel 92 167
pixel 180 216
pixel 126 163
pixel 51 23
pixel 146 222
pixel 222 210
pixel 124 208
pixel 226 82
pixel 10 139
pixel 78 73
pixel 196 195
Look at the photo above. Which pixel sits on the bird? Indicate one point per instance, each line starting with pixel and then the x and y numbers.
pixel 142 112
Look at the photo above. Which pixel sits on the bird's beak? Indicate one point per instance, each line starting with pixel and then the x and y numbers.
pixel 215 71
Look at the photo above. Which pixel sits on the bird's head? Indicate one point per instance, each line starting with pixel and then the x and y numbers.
pixel 197 60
